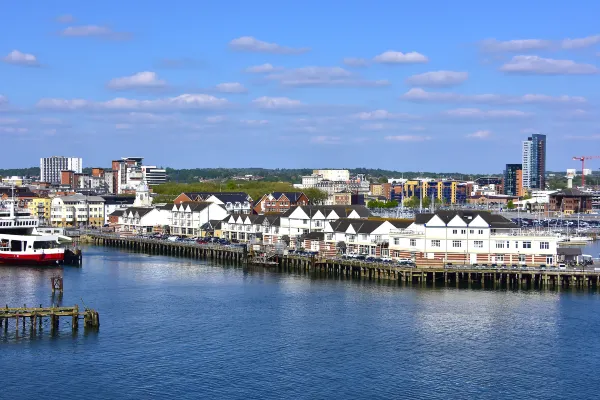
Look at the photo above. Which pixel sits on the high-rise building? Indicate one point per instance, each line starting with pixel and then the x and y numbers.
pixel 513 180
pixel 51 167
pixel 153 175
pixel 534 162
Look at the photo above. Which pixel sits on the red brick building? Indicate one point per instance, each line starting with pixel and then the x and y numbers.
pixel 571 201
pixel 279 202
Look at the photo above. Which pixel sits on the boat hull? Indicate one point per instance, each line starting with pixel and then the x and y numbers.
pixel 53 258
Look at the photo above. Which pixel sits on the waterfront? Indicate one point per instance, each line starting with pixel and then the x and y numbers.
pixel 179 328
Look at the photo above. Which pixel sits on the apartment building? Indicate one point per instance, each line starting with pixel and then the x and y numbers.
pixel 142 220
pixel 279 202
pixel 188 218
pixel 51 167
pixel 471 237
pixel 77 210
pixel 534 162
pixel 445 191
pixel 234 202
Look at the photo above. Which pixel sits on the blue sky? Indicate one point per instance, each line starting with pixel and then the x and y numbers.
pixel 421 86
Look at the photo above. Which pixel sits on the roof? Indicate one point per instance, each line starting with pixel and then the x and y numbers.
pixel 141 211
pixel 571 193
pixel 110 199
pixel 292 196
pixel 314 235
pixel 363 225
pixel 568 251
pixel 204 195
pixel 80 197
pixel 341 211
pixel 166 206
pixel 194 205
pixel 493 220
pixel 116 213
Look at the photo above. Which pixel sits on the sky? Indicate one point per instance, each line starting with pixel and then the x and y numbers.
pixel 408 86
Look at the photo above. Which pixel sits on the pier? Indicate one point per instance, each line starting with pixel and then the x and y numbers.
pixel 532 277
pixel 35 316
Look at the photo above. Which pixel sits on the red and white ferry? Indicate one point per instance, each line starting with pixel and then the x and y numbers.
pixel 21 243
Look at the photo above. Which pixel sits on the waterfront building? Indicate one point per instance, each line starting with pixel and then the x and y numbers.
pixel 113 203
pixel 279 202
pixel 127 174
pixel 234 202
pixel 51 167
pixel 513 180
pixel 77 210
pixel 571 201
pixel 187 218
pixel 40 208
pixel 534 162
pixel 471 237
pixel 248 228
pixel 142 220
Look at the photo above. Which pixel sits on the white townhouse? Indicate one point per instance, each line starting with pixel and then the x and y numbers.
pixel 359 236
pixel 76 210
pixel 187 218
pixel 140 220
pixel 234 202
pixel 302 220
pixel 471 237
pixel 246 228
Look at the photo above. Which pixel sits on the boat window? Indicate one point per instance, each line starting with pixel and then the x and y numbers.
pixel 16 245
pixel 42 244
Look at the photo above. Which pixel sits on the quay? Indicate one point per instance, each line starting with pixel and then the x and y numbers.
pixel 36 316
pixel 336 267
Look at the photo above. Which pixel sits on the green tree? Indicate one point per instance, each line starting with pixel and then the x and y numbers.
pixel 315 195
pixel 426 202
pixel 391 204
pixel 383 179
pixel 510 205
pixel 411 202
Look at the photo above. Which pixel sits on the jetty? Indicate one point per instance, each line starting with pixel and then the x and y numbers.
pixel 454 275
pixel 35 316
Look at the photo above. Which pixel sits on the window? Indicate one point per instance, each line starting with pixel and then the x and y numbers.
pixel 478 244
pixel 454 231
pixel 499 244
pixel 526 245
pixel 413 242
pixel 305 221
pixel 436 243
pixel 472 231
pixel 330 236
pixel 516 244
pixel 463 231
pixel 521 257
pixel 544 245
pixel 456 243
pixel 499 257
pixel 396 241
pixel 549 259
pixel 508 244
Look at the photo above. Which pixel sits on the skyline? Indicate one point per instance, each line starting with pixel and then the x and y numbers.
pixel 279 86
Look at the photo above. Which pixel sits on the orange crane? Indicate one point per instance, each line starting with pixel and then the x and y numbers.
pixel 582 159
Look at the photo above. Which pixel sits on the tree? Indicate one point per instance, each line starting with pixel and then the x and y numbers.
pixel 315 195
pixel 510 205
pixel 391 204
pixel 383 179
pixel 412 202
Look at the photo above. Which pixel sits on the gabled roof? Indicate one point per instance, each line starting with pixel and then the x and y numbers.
pixel 359 225
pixel 193 205
pixel 195 196
pixel 141 211
pixel 292 196
pixel 116 213
pixel 341 211
pixel 494 220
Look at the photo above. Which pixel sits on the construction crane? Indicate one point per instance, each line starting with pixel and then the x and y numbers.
pixel 582 159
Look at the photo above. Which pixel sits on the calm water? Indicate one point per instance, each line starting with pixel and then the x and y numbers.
pixel 179 329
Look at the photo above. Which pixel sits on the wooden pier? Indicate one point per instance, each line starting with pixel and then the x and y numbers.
pixel 35 316
pixel 337 267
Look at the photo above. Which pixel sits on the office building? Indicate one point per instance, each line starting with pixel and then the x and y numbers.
pixel 51 167
pixel 153 175
pixel 534 162
pixel 513 180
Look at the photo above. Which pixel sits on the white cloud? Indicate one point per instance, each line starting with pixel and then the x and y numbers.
pixel 526 45
pixel 94 31
pixel 322 76
pixel 547 66
pixel 251 44
pixel 261 69
pixel 383 115
pixel 145 118
pixel 231 87
pixel 12 129
pixel 254 122
pixel 355 62
pixel 480 135
pixel 123 126
pixel 277 103
pixel 8 121
pixel 15 57
pixel 141 80
pixel 215 119
pixel 326 140
pixel 182 102
pixel 438 78
pixel 65 19
pixel 420 95
pixel 396 57
pixel 407 138
pixel 475 113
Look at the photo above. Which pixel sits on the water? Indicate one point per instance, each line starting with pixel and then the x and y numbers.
pixel 180 329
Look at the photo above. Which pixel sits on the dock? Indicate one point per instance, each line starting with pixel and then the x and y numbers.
pixel 35 316
pixel 457 275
